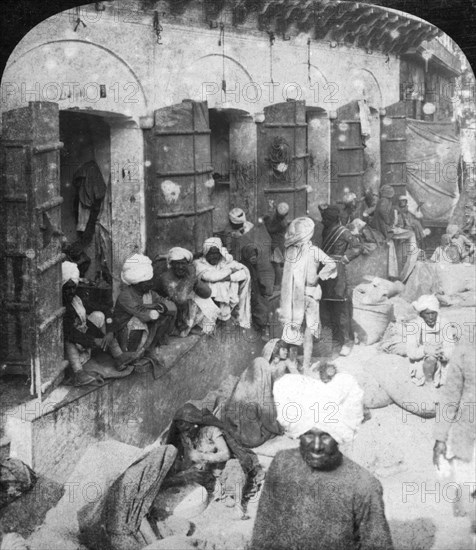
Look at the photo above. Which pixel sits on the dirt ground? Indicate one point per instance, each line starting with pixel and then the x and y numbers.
pixel 394 445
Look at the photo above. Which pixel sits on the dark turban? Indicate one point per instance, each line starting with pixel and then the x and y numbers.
pixel 330 215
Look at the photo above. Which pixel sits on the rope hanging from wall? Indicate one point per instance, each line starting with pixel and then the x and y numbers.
pixel 221 42
pixel 309 60
pixel 158 27
pixel 272 38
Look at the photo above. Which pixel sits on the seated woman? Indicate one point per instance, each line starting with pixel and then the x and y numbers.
pixel 82 332
pixel 430 342
pixel 276 353
pixel 142 319
pixel 180 283
pixel 205 445
pixel 250 410
pixel 229 281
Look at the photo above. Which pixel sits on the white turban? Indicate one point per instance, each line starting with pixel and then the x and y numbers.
pixel 282 208
pixel 176 254
pixel 237 216
pixel 299 231
pixel 349 197
pixel 215 242
pixel 427 301
pixel 356 226
pixel 69 272
pixel 452 229
pixel 137 269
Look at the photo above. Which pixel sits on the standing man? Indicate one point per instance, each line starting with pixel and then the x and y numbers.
pixel 277 225
pixel 304 266
pixel 455 432
pixel 314 498
pixel 339 243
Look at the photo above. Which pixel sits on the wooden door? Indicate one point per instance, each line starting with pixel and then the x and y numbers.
pixel 282 158
pixel 347 152
pixel 393 147
pixel 179 185
pixel 32 328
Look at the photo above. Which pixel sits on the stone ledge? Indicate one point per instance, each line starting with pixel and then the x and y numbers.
pixel 50 436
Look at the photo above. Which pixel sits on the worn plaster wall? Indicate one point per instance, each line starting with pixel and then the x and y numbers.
pixel 113 65
pixel 51 437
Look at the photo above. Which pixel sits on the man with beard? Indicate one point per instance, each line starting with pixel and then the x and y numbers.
pixel 179 283
pixel 315 498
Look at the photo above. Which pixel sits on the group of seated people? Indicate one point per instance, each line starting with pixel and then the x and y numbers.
pixel 233 279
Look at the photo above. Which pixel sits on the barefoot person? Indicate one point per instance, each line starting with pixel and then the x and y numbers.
pixel 304 266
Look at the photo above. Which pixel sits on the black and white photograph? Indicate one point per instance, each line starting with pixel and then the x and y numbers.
pixel 237 275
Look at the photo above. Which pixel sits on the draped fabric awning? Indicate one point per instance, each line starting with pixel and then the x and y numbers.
pixel 433 154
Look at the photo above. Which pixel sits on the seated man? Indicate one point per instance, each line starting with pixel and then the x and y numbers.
pixel 241 232
pixel 465 246
pixel 180 283
pixel 141 319
pixel 229 281
pixel 82 332
pixel 446 252
pixel 406 220
pixel 314 498
pixel 349 211
pixel 430 342
pixel 469 221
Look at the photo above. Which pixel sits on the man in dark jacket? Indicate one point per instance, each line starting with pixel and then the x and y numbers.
pixel 314 498
pixel 342 246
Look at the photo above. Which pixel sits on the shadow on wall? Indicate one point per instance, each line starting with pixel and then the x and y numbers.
pixel 416 534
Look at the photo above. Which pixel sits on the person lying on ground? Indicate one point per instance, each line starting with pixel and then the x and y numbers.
pixel 315 498
pixel 430 342
pixel 228 280
pixel 141 319
pixel 192 296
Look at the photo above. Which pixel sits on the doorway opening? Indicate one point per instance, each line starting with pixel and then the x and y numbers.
pixel 85 178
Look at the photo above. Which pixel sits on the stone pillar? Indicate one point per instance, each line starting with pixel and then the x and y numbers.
pixel 127 195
